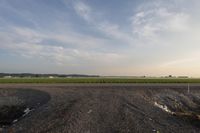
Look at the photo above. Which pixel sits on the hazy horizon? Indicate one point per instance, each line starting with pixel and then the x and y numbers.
pixel 99 37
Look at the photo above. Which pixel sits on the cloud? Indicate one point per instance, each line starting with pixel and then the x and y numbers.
pixel 83 10
pixel 157 35
pixel 164 25
pixel 111 30
pixel 156 23
pixel 190 60
pixel 167 31
pixel 28 43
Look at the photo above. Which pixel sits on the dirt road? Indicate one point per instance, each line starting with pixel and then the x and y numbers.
pixel 107 108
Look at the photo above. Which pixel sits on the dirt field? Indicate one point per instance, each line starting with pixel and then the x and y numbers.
pixel 103 108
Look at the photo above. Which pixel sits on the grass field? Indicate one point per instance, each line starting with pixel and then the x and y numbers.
pixel 100 80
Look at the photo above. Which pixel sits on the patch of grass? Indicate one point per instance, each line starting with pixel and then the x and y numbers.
pixel 99 80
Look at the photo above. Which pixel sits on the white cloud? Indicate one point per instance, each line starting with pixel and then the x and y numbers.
pixel 83 10
pixel 166 35
pixel 91 16
pixel 28 43
pixel 152 23
pixel 79 40
pixel 160 35
pixel 162 31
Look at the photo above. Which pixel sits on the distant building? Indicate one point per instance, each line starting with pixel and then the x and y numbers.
pixel 51 77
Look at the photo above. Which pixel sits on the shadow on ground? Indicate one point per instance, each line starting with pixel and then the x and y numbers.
pixel 17 103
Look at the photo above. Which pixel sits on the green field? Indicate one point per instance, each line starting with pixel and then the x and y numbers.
pixel 100 80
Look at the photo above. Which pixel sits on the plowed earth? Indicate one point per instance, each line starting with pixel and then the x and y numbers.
pixel 101 108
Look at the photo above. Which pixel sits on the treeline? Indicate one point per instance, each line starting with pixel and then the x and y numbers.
pixel 43 75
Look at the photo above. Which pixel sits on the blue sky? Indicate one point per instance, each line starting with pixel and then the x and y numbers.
pixel 115 37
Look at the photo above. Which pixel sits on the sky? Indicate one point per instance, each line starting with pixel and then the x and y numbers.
pixel 104 37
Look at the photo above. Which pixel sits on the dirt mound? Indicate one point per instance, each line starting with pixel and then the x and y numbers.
pixel 181 104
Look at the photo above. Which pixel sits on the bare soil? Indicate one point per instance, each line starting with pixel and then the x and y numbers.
pixel 104 108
